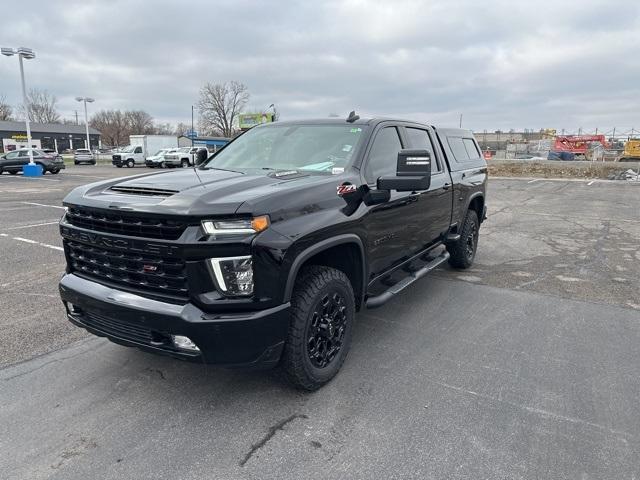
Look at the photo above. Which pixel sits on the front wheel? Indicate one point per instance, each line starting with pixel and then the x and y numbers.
pixel 130 163
pixel 55 171
pixel 322 318
pixel 184 163
pixel 463 251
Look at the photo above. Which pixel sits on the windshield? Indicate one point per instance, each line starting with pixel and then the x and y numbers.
pixel 128 149
pixel 318 148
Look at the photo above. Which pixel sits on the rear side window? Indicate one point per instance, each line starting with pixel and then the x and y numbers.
pixel 458 149
pixel 471 148
pixel 419 139
pixel 383 156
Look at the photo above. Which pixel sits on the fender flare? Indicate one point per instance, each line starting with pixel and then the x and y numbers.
pixel 472 198
pixel 319 247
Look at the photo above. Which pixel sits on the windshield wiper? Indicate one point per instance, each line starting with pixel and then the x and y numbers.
pixel 223 170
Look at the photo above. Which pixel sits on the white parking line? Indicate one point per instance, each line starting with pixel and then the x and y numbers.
pixel 591 182
pixel 534 180
pixel 34 225
pixel 44 205
pixel 33 242
pixel 32 178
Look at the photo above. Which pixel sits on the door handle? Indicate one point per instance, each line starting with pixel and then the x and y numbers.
pixel 446 186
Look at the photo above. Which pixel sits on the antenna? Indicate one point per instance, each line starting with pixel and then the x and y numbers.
pixel 352 117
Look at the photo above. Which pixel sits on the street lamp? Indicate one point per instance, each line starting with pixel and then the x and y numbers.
pixel 30 170
pixel 86 118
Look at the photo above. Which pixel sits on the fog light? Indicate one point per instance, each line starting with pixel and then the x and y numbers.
pixel 184 343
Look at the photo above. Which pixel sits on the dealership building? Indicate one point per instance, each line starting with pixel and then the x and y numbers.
pixel 47 135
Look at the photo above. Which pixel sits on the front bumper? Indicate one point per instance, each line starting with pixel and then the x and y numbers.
pixel 239 339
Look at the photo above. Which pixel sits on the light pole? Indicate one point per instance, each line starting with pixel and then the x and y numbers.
pixel 86 118
pixel 27 53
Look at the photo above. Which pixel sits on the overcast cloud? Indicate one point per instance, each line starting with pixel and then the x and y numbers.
pixel 502 64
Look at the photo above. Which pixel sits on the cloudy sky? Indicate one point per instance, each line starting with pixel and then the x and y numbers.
pixel 502 64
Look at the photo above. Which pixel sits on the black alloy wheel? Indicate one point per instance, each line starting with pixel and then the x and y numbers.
pixel 325 334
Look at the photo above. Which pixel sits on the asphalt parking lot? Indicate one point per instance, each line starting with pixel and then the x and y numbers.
pixel 525 366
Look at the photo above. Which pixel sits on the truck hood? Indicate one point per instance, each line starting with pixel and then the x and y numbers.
pixel 197 193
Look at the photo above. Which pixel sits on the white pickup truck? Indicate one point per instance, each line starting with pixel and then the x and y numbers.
pixel 141 147
pixel 181 157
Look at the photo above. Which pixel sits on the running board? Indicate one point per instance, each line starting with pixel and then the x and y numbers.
pixel 379 300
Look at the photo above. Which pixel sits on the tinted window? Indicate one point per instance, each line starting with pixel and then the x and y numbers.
pixel 12 155
pixel 458 149
pixel 383 156
pixel 138 150
pixel 471 148
pixel 419 139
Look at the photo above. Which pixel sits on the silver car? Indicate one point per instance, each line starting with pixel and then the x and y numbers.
pixel 83 155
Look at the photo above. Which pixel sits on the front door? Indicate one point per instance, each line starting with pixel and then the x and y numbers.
pixel 392 227
pixel 437 201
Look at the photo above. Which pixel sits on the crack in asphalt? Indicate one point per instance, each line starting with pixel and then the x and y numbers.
pixel 270 434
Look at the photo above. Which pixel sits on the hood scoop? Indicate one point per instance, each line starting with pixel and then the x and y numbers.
pixel 144 191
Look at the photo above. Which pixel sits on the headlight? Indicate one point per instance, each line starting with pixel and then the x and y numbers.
pixel 234 275
pixel 243 226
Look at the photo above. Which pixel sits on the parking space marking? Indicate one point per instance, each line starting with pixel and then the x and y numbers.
pixel 33 242
pixel 43 205
pixel 32 178
pixel 34 225
pixel 591 182
pixel 534 180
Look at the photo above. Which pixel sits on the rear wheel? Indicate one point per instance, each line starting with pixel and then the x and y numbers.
pixel 130 163
pixel 322 317
pixel 463 251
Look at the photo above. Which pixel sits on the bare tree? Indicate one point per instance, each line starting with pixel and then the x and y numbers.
pixel 140 122
pixel 116 125
pixel 6 110
pixel 181 129
pixel 43 107
pixel 220 105
pixel 112 125
pixel 163 128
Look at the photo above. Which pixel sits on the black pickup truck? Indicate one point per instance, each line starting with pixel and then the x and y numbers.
pixel 263 253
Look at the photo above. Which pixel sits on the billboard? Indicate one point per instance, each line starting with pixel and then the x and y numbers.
pixel 248 120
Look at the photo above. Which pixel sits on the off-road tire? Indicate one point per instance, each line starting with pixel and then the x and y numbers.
pixel 315 283
pixel 462 253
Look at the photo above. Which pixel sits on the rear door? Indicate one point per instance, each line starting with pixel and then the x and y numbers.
pixel 437 201
pixel 392 226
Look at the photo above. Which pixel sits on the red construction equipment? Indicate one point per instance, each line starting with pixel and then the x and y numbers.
pixel 577 144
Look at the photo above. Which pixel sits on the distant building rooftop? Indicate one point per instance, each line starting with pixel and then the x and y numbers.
pixel 11 126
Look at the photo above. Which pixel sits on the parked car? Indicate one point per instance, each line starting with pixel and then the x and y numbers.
pixel 157 160
pixel 181 157
pixel 263 254
pixel 51 151
pixel 13 162
pixel 82 155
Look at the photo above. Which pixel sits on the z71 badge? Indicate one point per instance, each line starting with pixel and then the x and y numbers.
pixel 346 188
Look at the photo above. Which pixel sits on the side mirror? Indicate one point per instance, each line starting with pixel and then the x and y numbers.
pixel 202 156
pixel 413 172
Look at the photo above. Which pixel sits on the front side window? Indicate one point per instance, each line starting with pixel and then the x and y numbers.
pixel 138 150
pixel 383 156
pixel 419 139
pixel 310 148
